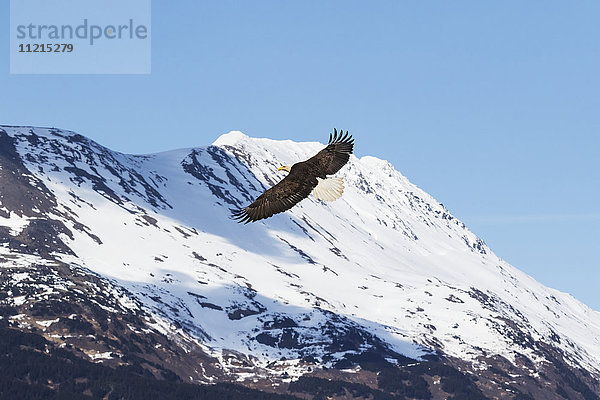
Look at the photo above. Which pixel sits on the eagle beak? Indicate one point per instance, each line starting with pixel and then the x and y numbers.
pixel 282 168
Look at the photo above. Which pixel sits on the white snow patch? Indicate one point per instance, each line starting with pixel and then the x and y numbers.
pixel 47 323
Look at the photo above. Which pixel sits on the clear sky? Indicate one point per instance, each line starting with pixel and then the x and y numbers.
pixel 492 107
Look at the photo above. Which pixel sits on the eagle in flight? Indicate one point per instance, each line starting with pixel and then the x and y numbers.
pixel 302 179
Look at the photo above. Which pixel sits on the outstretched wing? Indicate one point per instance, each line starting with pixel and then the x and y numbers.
pixel 333 157
pixel 281 197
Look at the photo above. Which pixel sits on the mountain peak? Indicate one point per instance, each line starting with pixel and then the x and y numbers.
pixel 376 162
pixel 230 139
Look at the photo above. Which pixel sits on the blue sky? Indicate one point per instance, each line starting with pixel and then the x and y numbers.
pixel 492 107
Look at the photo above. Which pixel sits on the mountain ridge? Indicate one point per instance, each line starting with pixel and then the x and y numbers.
pixel 386 269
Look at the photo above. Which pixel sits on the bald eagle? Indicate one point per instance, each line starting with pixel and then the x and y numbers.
pixel 302 179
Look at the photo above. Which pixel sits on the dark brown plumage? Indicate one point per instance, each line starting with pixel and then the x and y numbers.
pixel 300 181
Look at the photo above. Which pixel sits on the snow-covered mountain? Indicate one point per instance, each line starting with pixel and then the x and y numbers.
pixel 142 252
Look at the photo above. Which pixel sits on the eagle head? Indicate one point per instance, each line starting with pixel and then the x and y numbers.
pixel 284 168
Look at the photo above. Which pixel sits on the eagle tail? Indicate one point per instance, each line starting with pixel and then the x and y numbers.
pixel 329 189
